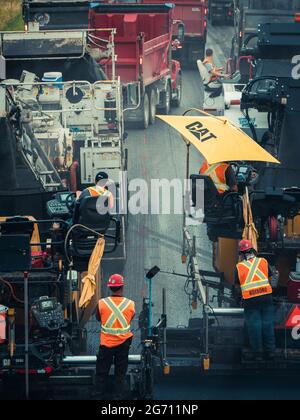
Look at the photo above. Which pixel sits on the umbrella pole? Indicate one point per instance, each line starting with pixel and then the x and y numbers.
pixel 186 196
pixel 26 326
pixel 188 146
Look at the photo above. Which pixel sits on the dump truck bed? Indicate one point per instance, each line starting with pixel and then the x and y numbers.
pixel 142 40
pixel 192 13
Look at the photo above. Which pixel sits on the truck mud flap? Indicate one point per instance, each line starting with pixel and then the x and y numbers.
pixel 133 117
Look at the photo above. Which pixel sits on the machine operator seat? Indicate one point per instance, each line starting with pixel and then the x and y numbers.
pixel 218 208
pixel 91 215
pixel 222 212
pixel 94 213
pixel 209 85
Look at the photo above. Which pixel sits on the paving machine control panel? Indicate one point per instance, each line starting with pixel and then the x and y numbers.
pixel 48 313
pixel 58 207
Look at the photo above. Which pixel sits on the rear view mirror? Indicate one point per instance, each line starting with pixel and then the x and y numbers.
pixel 181 32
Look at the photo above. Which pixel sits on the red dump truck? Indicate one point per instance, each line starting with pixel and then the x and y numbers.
pixel 193 14
pixel 151 80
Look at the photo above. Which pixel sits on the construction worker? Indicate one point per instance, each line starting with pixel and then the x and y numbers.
pixel 99 190
pixel 252 278
pixel 215 72
pixel 222 175
pixel 115 314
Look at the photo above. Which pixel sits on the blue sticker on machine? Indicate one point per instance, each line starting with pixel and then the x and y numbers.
pixel 244 122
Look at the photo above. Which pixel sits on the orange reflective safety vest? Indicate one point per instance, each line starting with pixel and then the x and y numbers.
pixel 116 314
pixel 254 278
pixel 95 192
pixel 212 77
pixel 217 173
pixel 3 315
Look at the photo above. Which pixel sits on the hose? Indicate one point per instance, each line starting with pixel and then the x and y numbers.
pixel 11 290
pixel 69 233
pixel 251 125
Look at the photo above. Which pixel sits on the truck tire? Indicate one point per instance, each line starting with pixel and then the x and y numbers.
pixel 165 109
pixel 152 106
pixel 176 102
pixel 145 107
pixel 202 50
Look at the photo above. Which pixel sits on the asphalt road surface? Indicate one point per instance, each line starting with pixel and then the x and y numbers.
pixel 159 153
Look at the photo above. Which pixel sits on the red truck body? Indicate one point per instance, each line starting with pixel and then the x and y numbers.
pixel 143 45
pixel 193 14
pixel 142 42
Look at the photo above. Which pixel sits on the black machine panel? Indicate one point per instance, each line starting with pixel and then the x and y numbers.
pixel 15 253
pixel 58 207
pixel 48 313
pixel 57 14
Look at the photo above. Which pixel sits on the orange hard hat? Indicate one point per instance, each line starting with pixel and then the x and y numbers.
pixel 116 280
pixel 245 245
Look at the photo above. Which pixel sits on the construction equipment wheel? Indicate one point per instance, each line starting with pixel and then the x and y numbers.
pixel 152 106
pixel 176 102
pixel 167 100
pixel 145 112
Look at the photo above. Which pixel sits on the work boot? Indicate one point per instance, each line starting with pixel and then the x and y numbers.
pixel 99 389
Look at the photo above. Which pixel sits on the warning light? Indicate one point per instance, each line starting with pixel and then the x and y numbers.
pixel 206 363
pixel 293 318
pixel 297 17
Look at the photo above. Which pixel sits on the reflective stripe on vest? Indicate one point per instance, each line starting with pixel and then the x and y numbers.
pixel 116 315
pixel 211 172
pixel 256 283
pixel 94 192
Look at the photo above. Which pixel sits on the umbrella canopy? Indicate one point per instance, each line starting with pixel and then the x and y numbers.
pixel 217 139
pixel 89 281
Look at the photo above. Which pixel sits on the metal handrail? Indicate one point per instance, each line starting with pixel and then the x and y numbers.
pixel 68 84
pixel 189 245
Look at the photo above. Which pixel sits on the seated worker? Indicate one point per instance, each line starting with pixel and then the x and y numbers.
pixel 252 278
pixel 222 175
pixel 215 72
pixel 99 190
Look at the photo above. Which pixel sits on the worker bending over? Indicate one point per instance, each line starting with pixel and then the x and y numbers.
pixel 223 176
pixel 99 190
pixel 252 277
pixel 115 314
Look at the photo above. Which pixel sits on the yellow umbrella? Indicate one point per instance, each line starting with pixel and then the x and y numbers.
pixel 89 281
pixel 217 139
pixel 250 231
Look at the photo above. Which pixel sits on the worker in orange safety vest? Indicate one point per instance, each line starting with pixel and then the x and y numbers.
pixel 115 314
pixel 99 190
pixel 216 73
pixel 222 176
pixel 252 277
